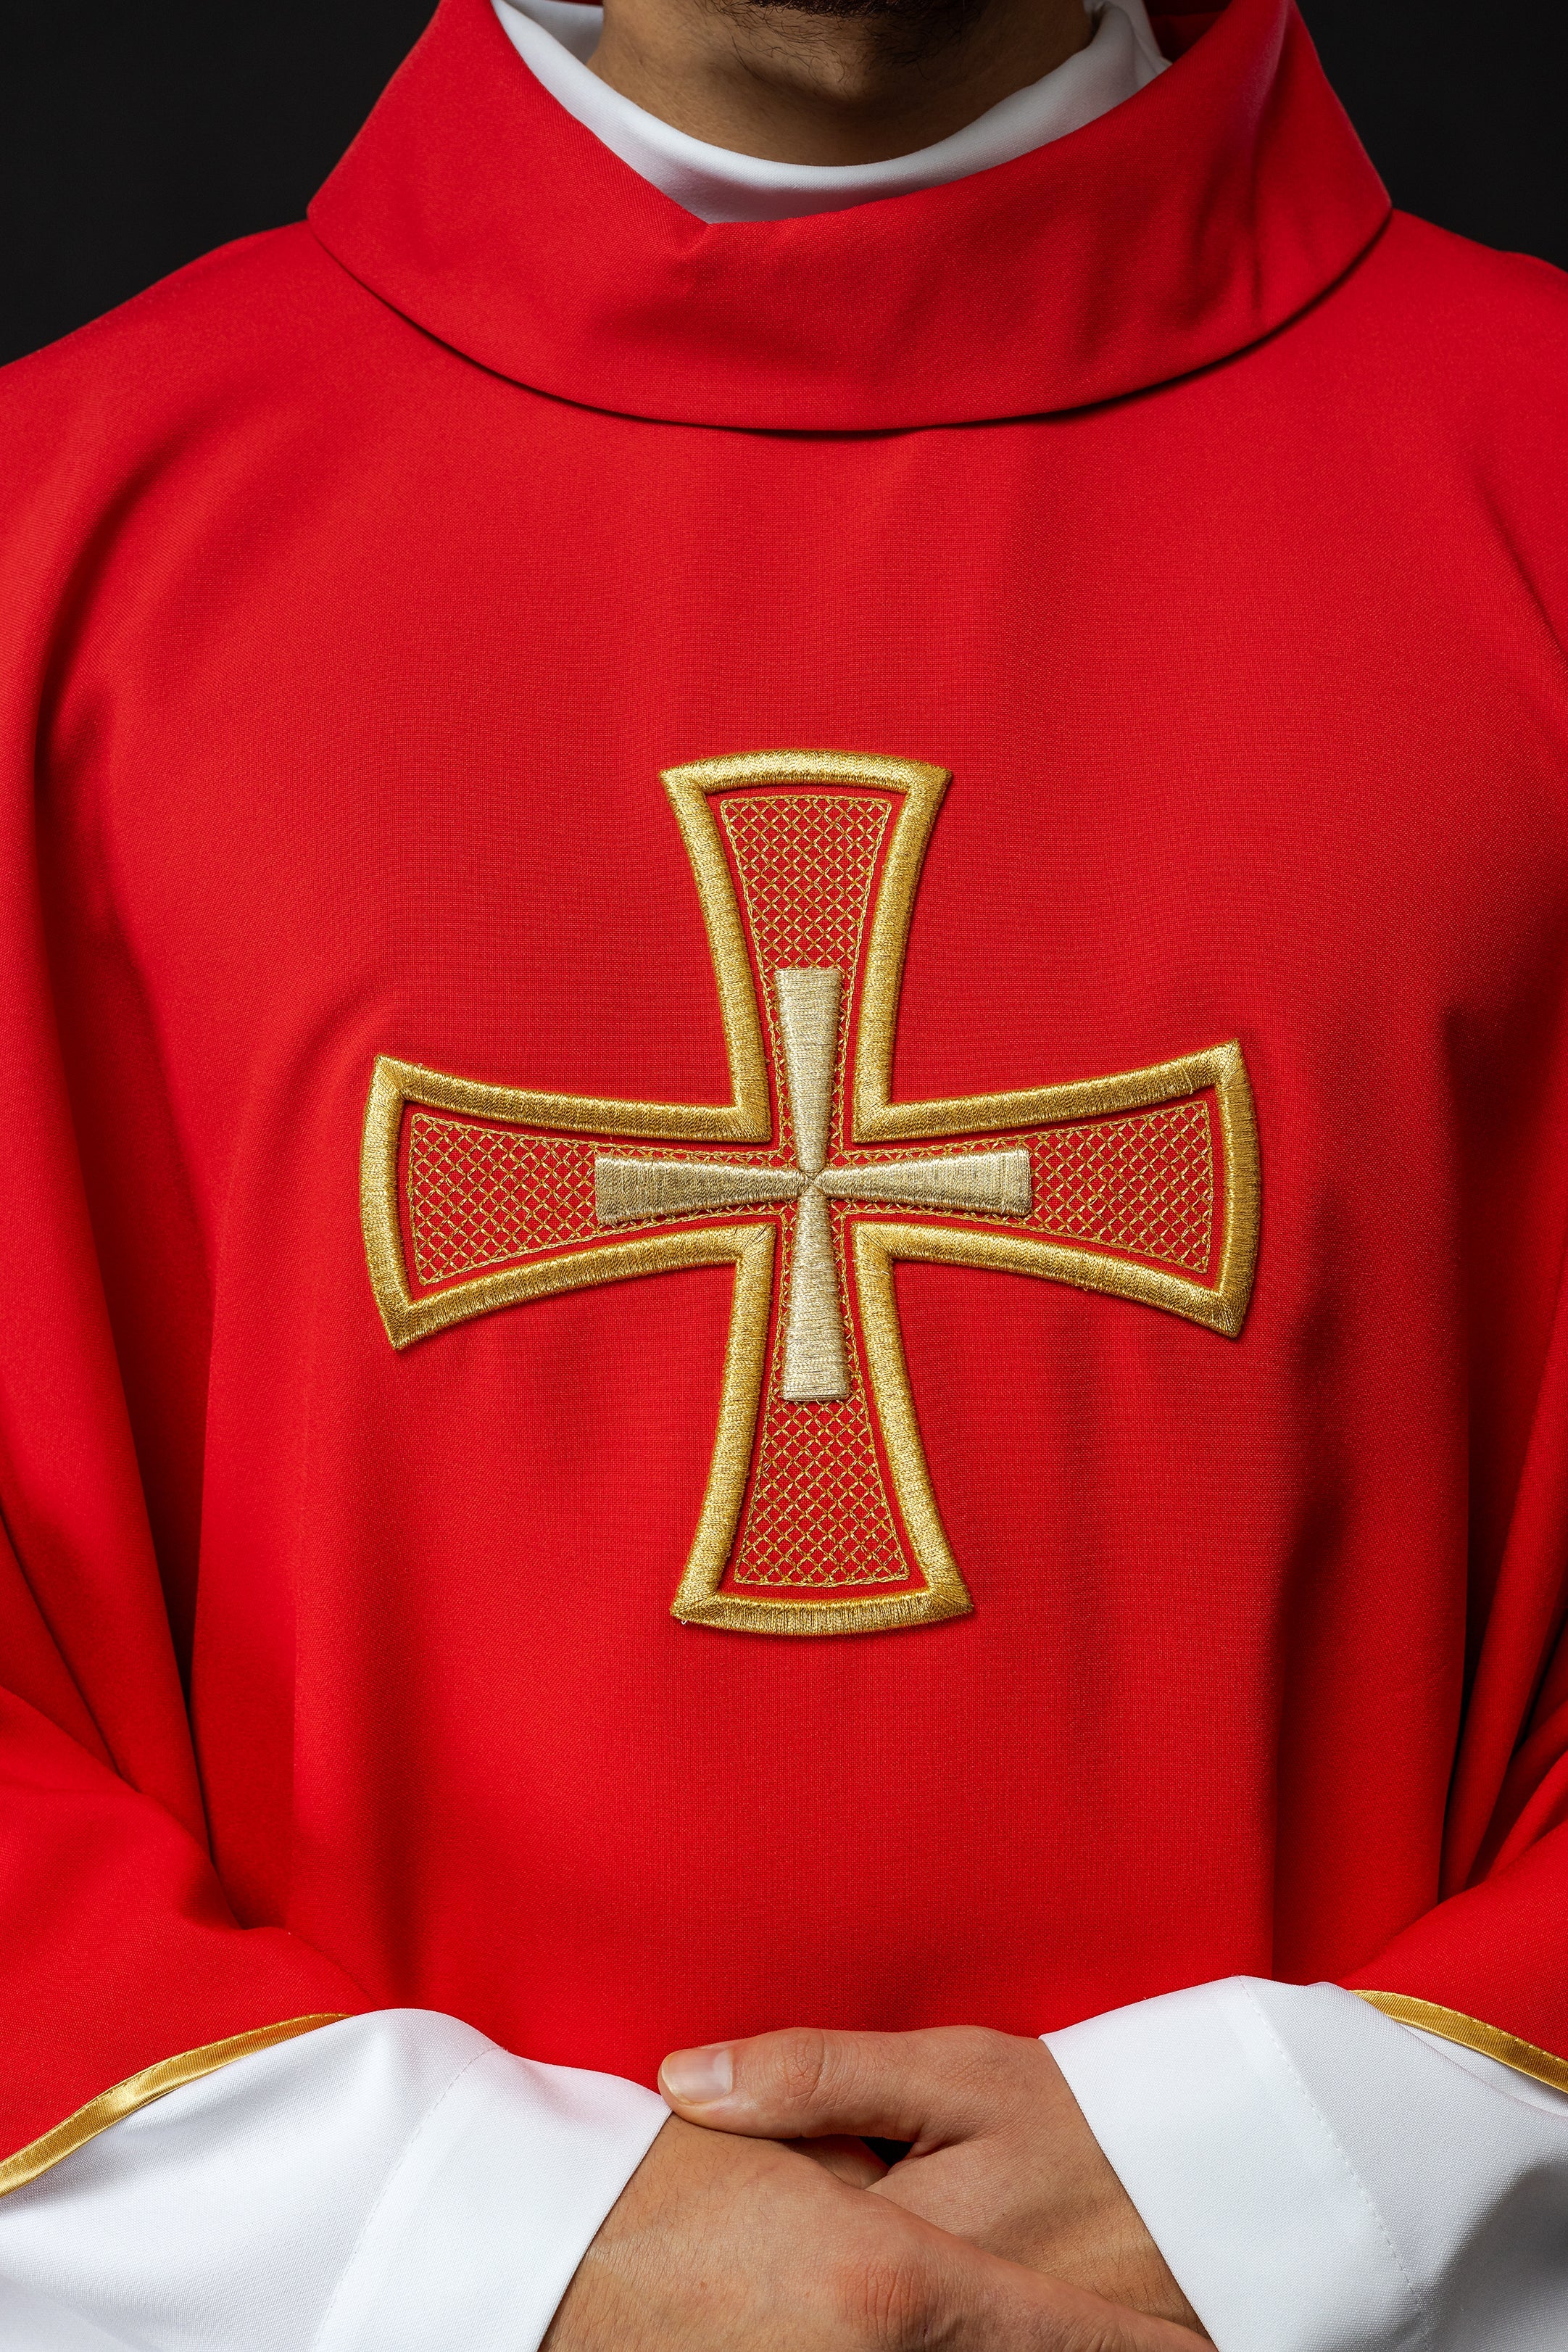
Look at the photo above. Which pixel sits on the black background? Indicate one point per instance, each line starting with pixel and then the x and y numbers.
pixel 133 137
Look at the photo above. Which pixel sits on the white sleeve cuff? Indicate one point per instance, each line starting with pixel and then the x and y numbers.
pixel 393 2183
pixel 1320 2179
pixel 490 2208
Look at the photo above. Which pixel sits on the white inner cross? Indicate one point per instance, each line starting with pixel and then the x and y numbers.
pixel 979 1183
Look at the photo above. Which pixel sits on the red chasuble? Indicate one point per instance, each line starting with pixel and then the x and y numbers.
pixel 787 1103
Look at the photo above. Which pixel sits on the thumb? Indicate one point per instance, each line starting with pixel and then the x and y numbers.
pixel 923 2087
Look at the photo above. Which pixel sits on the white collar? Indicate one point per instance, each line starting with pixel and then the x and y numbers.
pixel 555 37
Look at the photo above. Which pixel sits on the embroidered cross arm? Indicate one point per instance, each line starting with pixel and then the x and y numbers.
pixel 633 1192
pixel 972 1183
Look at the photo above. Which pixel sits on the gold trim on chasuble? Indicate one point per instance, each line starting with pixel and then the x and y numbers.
pixel 139 2091
pixel 819 1516
pixel 1470 2034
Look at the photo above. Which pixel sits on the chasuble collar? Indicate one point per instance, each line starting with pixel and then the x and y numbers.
pixel 1187 224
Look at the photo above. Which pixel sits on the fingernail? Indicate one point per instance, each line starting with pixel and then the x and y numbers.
pixel 697 2077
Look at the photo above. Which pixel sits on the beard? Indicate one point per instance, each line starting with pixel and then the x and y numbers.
pixel 925 22
pixel 905 31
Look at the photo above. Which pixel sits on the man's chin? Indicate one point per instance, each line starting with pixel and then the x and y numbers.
pixel 927 19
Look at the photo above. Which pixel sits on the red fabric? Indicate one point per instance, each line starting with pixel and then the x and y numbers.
pixel 1147 245
pixel 340 673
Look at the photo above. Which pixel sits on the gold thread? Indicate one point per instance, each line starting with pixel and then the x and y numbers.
pixel 883 1614
pixel 155 2082
pixel 1470 2034
pixel 416 1318
pixel 808 1024
pixel 973 1182
pixel 816 1370
pixel 735 770
pixel 1113 1278
pixel 820 1519
pixel 744 1361
pixel 869 1119
pixel 700 1601
pixel 477 1197
pixel 1238 1134
pixel 968 1183
pixel 741 1021
pixel 815 1367
pixel 888 1374
pixel 630 1192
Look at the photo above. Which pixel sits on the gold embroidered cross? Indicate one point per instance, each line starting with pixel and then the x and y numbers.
pixel 819 1516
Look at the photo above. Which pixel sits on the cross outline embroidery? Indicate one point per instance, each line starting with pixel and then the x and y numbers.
pixel 876 1243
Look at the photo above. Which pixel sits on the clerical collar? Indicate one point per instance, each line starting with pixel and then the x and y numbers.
pixel 1211 207
pixel 555 40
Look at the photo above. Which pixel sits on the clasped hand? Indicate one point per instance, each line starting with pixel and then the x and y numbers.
pixel 760 2221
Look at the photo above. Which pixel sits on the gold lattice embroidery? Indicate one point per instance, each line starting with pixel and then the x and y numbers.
pixel 1143 1185
pixel 805 861
pixel 819 1516
pixel 482 1196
